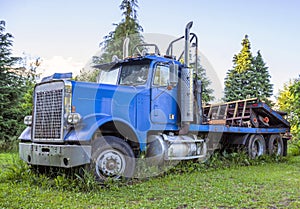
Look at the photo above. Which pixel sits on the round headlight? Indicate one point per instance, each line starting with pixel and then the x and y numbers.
pixel 28 120
pixel 73 118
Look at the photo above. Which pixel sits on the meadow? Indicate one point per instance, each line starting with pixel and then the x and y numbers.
pixel 231 182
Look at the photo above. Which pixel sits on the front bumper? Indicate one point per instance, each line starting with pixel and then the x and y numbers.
pixel 65 156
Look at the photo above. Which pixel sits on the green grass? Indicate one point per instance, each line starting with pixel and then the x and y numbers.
pixel 265 185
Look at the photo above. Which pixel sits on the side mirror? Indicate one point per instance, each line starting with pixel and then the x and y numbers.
pixel 173 75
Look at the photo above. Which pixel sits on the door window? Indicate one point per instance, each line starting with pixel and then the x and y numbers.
pixel 161 77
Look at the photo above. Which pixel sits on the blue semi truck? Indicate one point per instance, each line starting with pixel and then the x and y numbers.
pixel 146 105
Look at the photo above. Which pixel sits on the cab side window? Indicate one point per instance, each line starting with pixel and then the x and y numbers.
pixel 161 77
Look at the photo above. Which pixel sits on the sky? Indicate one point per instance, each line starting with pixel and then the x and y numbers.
pixel 66 34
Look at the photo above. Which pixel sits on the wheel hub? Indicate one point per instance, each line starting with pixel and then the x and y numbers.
pixel 276 147
pixel 110 163
pixel 257 148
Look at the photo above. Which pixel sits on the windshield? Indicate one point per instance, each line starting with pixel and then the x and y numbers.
pixel 109 77
pixel 125 75
pixel 134 74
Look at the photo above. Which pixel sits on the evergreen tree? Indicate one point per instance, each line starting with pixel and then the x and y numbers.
pixel 249 76
pixel 207 93
pixel 237 79
pixel 11 91
pixel 128 27
pixel 243 60
pixel 261 78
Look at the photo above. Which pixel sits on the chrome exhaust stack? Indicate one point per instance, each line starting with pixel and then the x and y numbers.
pixel 186 86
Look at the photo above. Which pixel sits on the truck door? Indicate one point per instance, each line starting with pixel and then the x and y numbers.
pixel 163 97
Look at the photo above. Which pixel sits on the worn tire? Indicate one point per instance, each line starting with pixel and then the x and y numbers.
pixel 275 145
pixel 112 158
pixel 256 146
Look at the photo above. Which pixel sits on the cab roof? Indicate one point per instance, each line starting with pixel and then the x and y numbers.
pixel 136 60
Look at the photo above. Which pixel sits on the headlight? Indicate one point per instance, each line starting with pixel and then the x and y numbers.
pixel 28 120
pixel 74 118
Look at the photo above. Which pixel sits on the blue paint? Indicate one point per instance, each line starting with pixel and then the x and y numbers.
pixel 273 113
pixel 57 76
pixel 237 130
pixel 142 108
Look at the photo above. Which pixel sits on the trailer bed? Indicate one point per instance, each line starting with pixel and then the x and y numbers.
pixel 237 130
pixel 249 115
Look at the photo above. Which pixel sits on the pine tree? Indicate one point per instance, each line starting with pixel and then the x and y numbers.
pixel 237 78
pixel 249 77
pixel 262 80
pixel 207 93
pixel 11 91
pixel 128 27
pixel 243 60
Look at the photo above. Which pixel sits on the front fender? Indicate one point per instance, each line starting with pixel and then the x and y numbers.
pixel 89 125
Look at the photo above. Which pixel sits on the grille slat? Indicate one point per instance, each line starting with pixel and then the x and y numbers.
pixel 48 113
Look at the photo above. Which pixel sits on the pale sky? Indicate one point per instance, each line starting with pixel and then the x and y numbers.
pixel 67 33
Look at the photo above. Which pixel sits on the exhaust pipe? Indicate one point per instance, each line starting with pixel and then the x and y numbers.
pixel 186 86
pixel 126 47
pixel 187 43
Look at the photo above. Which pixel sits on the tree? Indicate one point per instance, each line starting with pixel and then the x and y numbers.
pixel 249 76
pixel 243 60
pixel 261 78
pixel 289 101
pixel 86 75
pixel 113 42
pixel 11 90
pixel 128 27
pixel 30 64
pixel 207 93
pixel 238 77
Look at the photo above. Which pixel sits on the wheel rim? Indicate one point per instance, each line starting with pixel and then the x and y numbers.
pixel 257 148
pixel 277 148
pixel 110 163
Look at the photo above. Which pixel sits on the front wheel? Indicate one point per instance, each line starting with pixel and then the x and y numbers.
pixel 256 146
pixel 112 158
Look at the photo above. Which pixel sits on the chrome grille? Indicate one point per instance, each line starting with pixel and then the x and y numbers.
pixel 48 111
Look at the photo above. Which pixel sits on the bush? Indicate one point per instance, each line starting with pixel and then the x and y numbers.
pixel 294 148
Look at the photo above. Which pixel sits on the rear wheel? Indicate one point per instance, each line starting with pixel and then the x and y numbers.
pixel 256 146
pixel 275 145
pixel 112 158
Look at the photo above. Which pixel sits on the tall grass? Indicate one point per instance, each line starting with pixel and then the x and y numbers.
pixel 15 170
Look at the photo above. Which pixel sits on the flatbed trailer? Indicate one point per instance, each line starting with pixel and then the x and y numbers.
pixel 250 123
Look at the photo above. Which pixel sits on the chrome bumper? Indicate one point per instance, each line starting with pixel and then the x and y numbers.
pixel 66 156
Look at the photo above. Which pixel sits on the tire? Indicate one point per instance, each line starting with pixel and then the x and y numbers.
pixel 256 146
pixel 112 158
pixel 275 145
